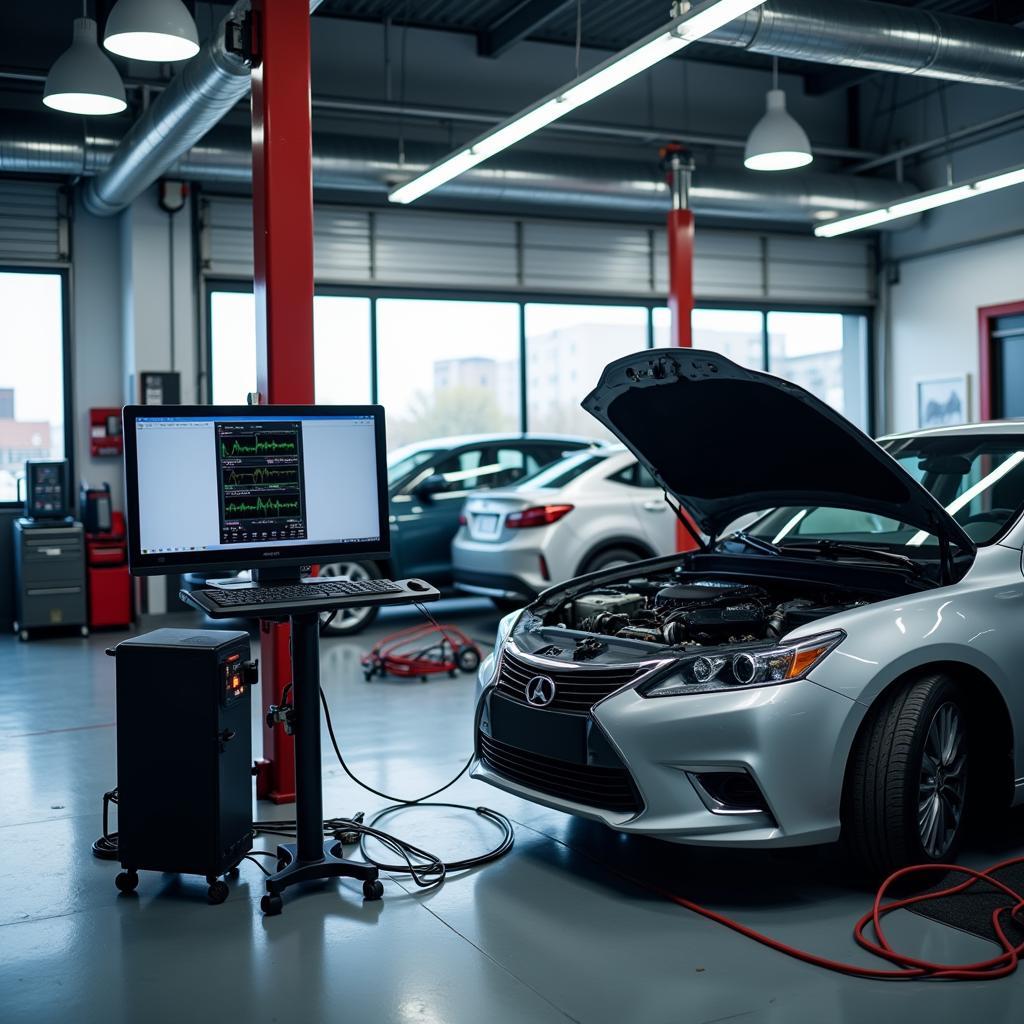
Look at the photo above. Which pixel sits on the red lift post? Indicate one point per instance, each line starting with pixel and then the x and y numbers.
pixel 282 197
pixel 679 166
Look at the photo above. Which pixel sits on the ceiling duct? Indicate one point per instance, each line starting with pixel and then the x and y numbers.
pixel 364 169
pixel 195 100
pixel 881 37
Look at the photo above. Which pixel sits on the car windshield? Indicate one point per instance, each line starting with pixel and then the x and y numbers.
pixel 565 470
pixel 977 478
pixel 402 461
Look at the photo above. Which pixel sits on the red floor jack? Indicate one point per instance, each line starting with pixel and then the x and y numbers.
pixel 423 651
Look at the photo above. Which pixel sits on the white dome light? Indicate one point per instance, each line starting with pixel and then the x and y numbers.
pixel 83 80
pixel 153 30
pixel 777 142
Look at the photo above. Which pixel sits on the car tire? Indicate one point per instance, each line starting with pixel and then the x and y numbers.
pixel 349 621
pixel 907 783
pixel 608 558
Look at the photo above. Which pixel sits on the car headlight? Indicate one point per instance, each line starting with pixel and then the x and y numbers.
pixel 755 665
pixel 489 666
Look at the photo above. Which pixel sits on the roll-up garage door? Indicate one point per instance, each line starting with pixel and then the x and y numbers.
pixel 399 247
pixel 33 223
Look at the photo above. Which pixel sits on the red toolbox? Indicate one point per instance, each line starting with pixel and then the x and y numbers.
pixel 110 585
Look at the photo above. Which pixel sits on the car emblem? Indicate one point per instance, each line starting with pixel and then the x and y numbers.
pixel 540 691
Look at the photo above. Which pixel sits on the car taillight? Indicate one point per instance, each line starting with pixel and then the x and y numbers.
pixel 539 515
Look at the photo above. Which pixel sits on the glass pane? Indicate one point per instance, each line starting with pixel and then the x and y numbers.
pixel 447 367
pixel 566 349
pixel 824 353
pixel 341 348
pixel 232 346
pixel 31 374
pixel 735 333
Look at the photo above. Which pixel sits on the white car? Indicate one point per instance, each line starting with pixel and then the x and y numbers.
pixel 594 509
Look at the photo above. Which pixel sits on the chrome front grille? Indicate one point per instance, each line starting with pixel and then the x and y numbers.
pixel 578 687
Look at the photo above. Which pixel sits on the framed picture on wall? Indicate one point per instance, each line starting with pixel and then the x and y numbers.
pixel 942 402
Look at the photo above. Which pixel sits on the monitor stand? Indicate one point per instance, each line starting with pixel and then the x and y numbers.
pixel 310 857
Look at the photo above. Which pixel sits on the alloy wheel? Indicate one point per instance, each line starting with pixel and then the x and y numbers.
pixel 943 784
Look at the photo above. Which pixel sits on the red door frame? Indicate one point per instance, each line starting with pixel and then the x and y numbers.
pixel 986 352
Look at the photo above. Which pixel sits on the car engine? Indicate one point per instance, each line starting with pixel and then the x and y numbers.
pixel 701 612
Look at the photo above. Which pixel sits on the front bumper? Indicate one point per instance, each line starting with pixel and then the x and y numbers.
pixel 793 739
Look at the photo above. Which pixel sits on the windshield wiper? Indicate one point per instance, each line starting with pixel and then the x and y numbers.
pixel 757 543
pixel 837 547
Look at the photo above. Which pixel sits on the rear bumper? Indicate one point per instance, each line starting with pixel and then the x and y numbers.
pixel 492 584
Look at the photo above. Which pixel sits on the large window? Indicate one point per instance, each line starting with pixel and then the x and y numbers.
pixel 341 348
pixel 447 367
pixel 737 334
pixel 463 366
pixel 31 374
pixel 826 353
pixel 566 349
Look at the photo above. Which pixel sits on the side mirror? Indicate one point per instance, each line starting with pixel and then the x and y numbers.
pixel 429 486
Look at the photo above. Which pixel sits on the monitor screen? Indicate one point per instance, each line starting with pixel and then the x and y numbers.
pixel 240 487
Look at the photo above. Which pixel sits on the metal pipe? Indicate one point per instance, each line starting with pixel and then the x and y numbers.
pixel 195 100
pixel 358 168
pixel 881 37
pixel 970 131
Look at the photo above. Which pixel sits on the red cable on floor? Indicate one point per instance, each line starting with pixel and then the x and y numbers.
pixel 908 967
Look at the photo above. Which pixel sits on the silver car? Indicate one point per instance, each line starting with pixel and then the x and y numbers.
pixel 848 664
pixel 594 509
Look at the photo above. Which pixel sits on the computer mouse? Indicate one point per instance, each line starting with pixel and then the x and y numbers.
pixel 418 585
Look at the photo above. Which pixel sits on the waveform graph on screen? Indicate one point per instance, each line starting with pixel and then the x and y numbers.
pixel 262 494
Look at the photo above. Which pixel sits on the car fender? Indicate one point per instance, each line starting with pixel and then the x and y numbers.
pixel 976 622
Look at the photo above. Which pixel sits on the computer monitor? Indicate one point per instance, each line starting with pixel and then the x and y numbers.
pixel 239 487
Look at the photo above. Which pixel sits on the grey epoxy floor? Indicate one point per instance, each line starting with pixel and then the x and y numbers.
pixel 553 932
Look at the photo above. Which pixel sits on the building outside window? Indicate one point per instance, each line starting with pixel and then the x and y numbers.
pixel 432 378
pixel 31 374
pixel 567 346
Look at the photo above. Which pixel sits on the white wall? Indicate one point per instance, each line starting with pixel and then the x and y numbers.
pixel 95 337
pixel 955 259
pixel 934 316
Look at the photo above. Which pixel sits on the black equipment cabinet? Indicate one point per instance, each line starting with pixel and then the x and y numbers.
pixel 184 754
pixel 49 576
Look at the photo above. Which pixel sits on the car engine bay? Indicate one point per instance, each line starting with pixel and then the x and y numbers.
pixel 686 612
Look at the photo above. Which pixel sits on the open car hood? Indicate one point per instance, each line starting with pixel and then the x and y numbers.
pixel 724 441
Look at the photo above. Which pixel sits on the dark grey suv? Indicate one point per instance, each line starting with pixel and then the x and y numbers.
pixel 427 484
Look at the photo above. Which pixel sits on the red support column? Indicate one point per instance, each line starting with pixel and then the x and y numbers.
pixel 680 275
pixel 680 269
pixel 282 195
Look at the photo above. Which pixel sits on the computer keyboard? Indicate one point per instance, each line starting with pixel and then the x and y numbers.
pixel 301 592
pixel 255 601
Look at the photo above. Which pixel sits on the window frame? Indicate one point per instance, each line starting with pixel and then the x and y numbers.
pixel 64 273
pixel 522 298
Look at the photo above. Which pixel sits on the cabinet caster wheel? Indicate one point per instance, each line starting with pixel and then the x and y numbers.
pixel 271 905
pixel 85 631
pixel 23 635
pixel 233 872
pixel 218 892
pixel 127 881
pixel 373 889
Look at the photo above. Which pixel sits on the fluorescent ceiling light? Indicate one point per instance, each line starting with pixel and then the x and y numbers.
pixel 694 24
pixel 919 204
pixel 154 30
pixel 83 80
